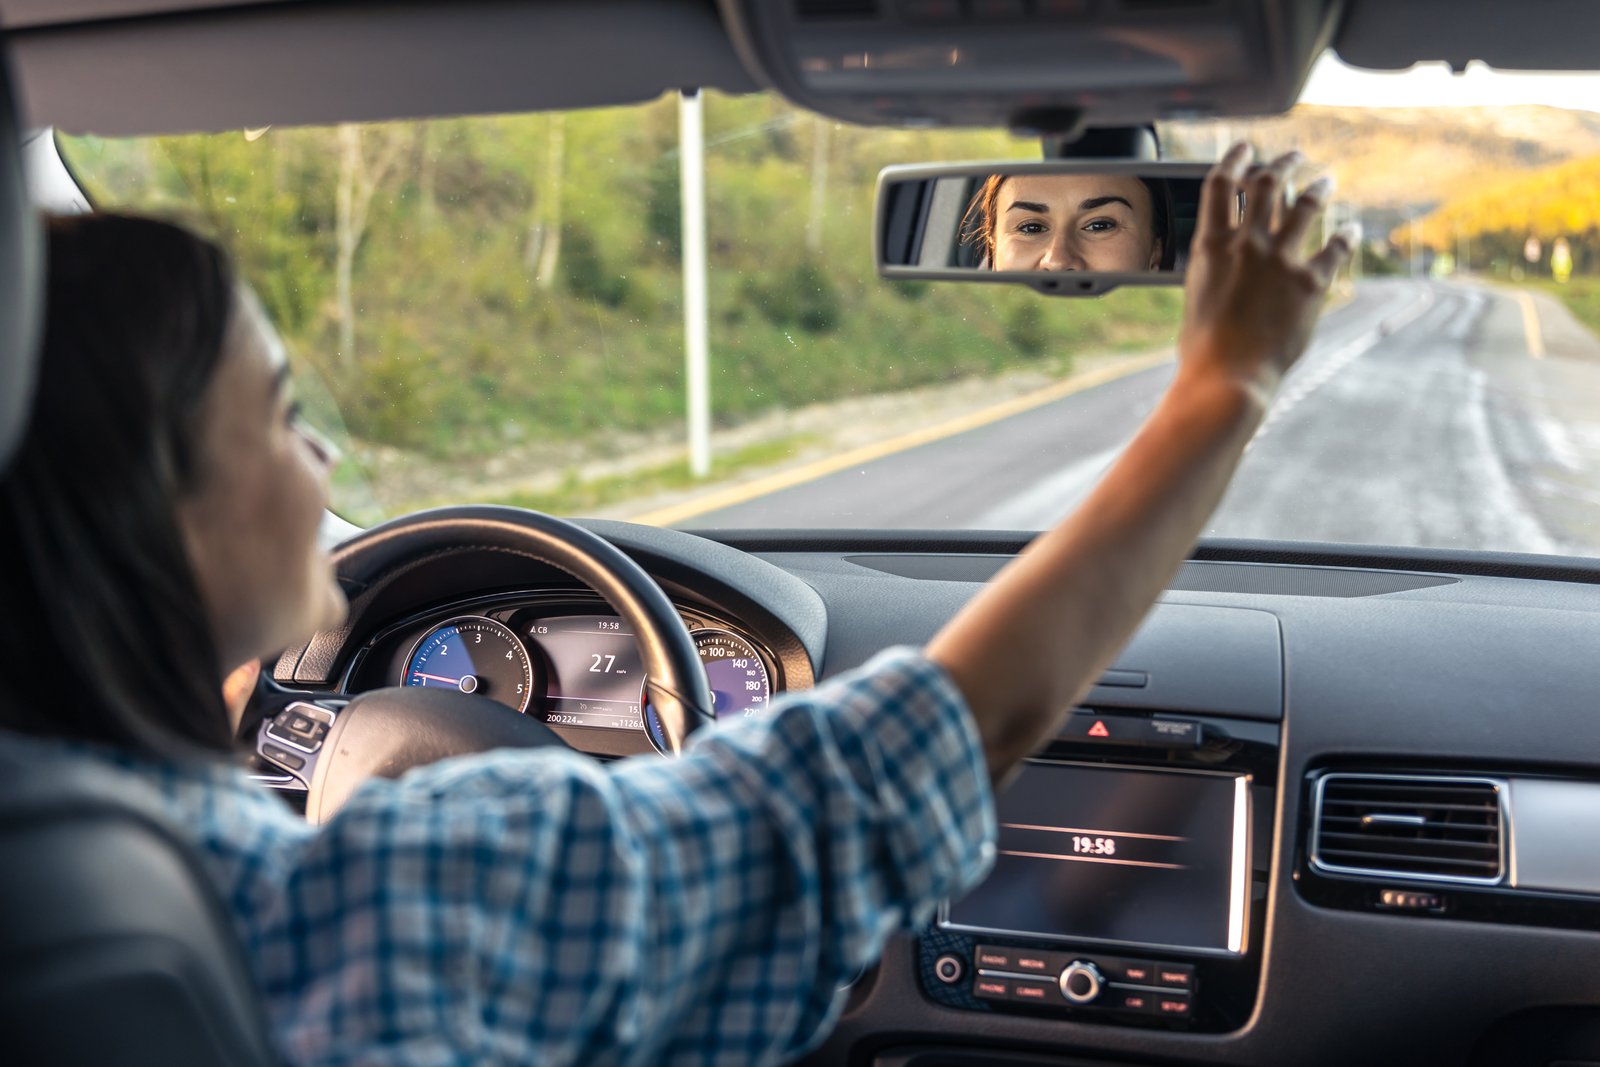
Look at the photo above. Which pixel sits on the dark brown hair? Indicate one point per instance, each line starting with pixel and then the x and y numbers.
pixel 105 637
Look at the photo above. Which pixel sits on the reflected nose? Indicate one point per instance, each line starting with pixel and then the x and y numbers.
pixel 1062 254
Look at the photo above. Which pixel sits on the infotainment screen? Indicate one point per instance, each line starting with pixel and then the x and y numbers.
pixel 1089 852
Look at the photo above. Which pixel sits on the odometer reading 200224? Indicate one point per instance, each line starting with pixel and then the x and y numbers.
pixel 474 655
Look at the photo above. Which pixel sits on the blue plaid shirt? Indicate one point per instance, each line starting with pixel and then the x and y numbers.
pixel 536 907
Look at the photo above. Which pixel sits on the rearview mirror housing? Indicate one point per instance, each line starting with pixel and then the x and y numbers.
pixel 1062 227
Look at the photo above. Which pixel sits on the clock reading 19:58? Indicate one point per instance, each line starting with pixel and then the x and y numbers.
pixel 1094 846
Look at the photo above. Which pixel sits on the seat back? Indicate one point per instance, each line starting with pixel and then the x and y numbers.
pixel 114 951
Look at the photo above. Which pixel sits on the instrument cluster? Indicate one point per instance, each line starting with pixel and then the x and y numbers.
pixel 568 661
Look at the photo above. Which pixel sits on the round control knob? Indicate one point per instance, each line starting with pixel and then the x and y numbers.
pixel 948 969
pixel 1081 982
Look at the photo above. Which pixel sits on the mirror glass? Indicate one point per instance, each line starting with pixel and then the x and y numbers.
pixel 1040 219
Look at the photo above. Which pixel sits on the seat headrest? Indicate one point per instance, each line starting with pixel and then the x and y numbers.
pixel 20 281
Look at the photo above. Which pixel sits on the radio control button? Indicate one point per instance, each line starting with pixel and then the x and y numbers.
pixel 994 959
pixel 1035 992
pixel 1172 1005
pixel 948 969
pixel 1169 977
pixel 991 988
pixel 1081 982
pixel 1035 963
pixel 1129 972
pixel 1136 1001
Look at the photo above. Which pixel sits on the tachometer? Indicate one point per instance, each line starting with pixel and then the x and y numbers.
pixel 740 684
pixel 474 655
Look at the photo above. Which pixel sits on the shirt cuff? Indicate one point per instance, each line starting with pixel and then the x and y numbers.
pixel 909 737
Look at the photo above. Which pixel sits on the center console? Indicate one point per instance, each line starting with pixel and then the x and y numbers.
pixel 1129 881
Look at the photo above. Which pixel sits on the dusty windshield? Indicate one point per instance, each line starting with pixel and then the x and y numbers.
pixel 493 310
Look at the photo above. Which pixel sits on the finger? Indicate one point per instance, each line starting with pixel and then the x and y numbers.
pixel 1297 220
pixel 1219 198
pixel 1336 253
pixel 1261 192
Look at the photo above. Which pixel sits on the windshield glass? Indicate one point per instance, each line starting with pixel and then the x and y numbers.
pixel 493 310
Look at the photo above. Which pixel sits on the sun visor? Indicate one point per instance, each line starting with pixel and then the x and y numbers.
pixel 1549 35
pixel 1034 65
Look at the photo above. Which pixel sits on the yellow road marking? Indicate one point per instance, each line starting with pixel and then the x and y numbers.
pixel 1530 326
pixel 855 457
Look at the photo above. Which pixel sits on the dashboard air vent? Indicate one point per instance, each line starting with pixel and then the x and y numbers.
pixel 1429 827
pixel 832 10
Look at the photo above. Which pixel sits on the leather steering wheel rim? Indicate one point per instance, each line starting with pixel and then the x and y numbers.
pixel 675 681
pixel 679 692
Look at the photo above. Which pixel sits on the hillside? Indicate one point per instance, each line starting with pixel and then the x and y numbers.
pixel 1395 158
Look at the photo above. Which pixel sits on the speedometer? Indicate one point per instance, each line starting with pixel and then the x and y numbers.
pixel 474 655
pixel 740 684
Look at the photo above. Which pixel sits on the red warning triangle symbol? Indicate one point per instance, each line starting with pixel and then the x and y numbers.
pixel 1099 730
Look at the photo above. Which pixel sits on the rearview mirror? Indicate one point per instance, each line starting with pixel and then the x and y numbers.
pixel 1074 228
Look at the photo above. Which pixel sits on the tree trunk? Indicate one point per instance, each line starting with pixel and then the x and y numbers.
pixel 352 203
pixel 346 237
pixel 819 186
pixel 550 198
pixel 428 206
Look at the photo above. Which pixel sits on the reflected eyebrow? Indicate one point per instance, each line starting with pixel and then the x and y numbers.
pixel 1086 205
pixel 280 380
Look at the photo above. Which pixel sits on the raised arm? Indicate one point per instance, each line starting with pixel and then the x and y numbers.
pixel 1031 644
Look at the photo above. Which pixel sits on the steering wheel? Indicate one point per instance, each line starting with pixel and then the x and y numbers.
pixel 385 732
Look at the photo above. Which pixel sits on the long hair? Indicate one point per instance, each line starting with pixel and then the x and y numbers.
pixel 981 220
pixel 104 636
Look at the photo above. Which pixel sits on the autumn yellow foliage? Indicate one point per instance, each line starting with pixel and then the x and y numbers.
pixel 1558 201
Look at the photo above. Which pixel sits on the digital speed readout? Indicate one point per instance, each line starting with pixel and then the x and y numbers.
pixel 594 675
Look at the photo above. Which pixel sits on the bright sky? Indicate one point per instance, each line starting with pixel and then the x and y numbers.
pixel 1432 85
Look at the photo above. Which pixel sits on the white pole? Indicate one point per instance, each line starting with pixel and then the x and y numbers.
pixel 692 187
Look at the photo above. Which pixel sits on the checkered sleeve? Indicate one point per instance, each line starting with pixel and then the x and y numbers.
pixel 538 907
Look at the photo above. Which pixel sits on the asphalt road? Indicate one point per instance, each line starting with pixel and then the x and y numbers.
pixel 1425 413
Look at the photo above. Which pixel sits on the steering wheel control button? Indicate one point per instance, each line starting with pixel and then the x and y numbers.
pixel 283 757
pixel 949 969
pixel 301 726
pixel 1081 982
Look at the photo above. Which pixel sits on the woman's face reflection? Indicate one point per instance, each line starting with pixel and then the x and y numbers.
pixel 1061 222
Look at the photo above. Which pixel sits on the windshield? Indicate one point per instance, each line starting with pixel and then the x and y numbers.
pixel 493 310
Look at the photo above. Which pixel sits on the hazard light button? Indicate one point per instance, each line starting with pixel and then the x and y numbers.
pixel 1132 730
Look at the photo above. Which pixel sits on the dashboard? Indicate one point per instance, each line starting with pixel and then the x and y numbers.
pixel 1328 806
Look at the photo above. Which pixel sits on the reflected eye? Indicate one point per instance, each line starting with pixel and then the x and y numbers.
pixel 1031 228
pixel 294 415
pixel 1102 226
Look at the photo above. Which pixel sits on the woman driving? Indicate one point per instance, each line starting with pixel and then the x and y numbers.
pixel 159 527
